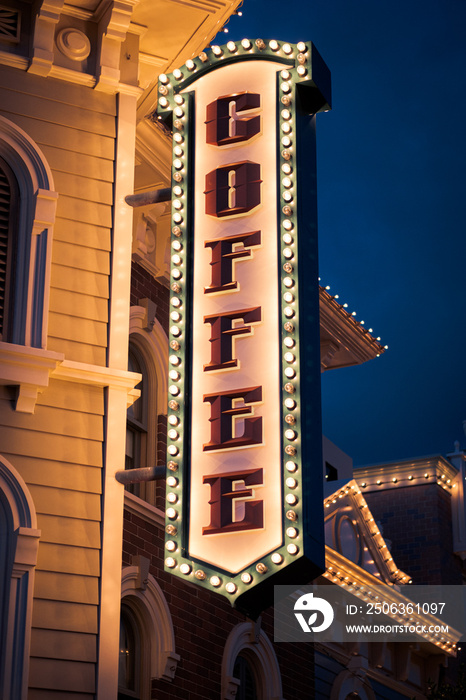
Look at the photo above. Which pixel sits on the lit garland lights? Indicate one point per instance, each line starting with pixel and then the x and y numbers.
pixel 350 317
pixel 352 492
pixel 336 574
pixel 427 470
pixel 362 583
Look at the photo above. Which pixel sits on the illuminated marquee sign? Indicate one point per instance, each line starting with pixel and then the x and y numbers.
pixel 244 491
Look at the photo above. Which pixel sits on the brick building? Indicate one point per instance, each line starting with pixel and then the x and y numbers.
pixel 420 497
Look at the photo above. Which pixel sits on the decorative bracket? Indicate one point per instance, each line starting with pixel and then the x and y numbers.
pixel 113 27
pixel 43 37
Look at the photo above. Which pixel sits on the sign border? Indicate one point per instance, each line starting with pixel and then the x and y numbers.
pixel 301 555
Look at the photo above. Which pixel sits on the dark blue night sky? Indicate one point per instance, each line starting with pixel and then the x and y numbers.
pixel 392 204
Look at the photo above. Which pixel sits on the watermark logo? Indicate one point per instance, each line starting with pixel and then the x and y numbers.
pixel 308 603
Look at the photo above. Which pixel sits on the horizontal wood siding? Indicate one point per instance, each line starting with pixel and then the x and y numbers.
pixel 58 452
pixel 61 675
pixel 75 128
pixel 64 645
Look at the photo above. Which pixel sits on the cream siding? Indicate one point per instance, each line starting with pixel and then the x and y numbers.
pixel 59 449
pixel 58 452
pixel 75 127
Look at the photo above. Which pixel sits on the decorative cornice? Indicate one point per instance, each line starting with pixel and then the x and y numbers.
pixel 46 18
pixel 29 369
pixel 13 60
pixel 355 580
pixel 209 6
pixel 95 375
pixel 354 343
pixel 415 472
pixel 349 494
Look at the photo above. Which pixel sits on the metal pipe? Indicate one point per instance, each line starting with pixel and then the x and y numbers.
pixel 136 476
pixel 151 197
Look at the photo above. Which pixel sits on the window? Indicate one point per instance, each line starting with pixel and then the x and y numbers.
pixel 19 542
pixel 250 668
pixel 352 683
pixel 137 424
pixel 146 418
pixel 129 665
pixel 26 236
pixel 247 683
pixel 8 221
pixel 147 640
pixel 331 472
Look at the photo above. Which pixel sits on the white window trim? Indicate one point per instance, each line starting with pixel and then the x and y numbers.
pixel 19 615
pixel 142 593
pixel 260 652
pixel 353 680
pixel 152 340
pixel 147 334
pixel 37 211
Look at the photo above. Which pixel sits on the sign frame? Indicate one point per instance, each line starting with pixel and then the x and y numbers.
pixel 302 90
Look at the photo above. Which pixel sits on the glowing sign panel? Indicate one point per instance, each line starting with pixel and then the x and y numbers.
pixel 241 365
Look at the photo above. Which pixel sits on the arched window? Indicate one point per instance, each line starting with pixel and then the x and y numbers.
pixel 147 640
pixel 19 540
pixel 243 671
pixel 9 201
pixel 146 423
pixel 27 214
pixel 352 684
pixel 250 668
pixel 129 664
pixel 138 452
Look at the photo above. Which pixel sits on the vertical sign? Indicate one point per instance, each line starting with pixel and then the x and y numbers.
pixel 244 491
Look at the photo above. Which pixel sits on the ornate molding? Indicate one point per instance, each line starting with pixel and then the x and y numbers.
pixel 153 614
pixel 10 24
pixel 113 27
pixel 29 369
pixel 73 44
pixel 43 36
pixel 261 654
pixel 95 375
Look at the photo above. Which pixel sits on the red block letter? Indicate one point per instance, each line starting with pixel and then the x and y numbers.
pixel 233 189
pixel 223 333
pixel 224 126
pixel 224 253
pixel 224 491
pixel 224 410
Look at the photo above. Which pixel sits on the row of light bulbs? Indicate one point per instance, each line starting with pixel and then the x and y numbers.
pixel 367 594
pixel 352 314
pixel 232 48
pixel 397 575
pixel 176 320
pixel 289 295
pixel 442 480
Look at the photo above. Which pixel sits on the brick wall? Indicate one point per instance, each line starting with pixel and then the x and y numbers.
pixel 144 286
pixel 202 622
pixel 417 520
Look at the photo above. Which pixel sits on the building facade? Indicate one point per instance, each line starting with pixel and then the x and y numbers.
pixel 86 608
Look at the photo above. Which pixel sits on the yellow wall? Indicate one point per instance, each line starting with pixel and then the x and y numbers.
pixel 74 127
pixel 58 450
